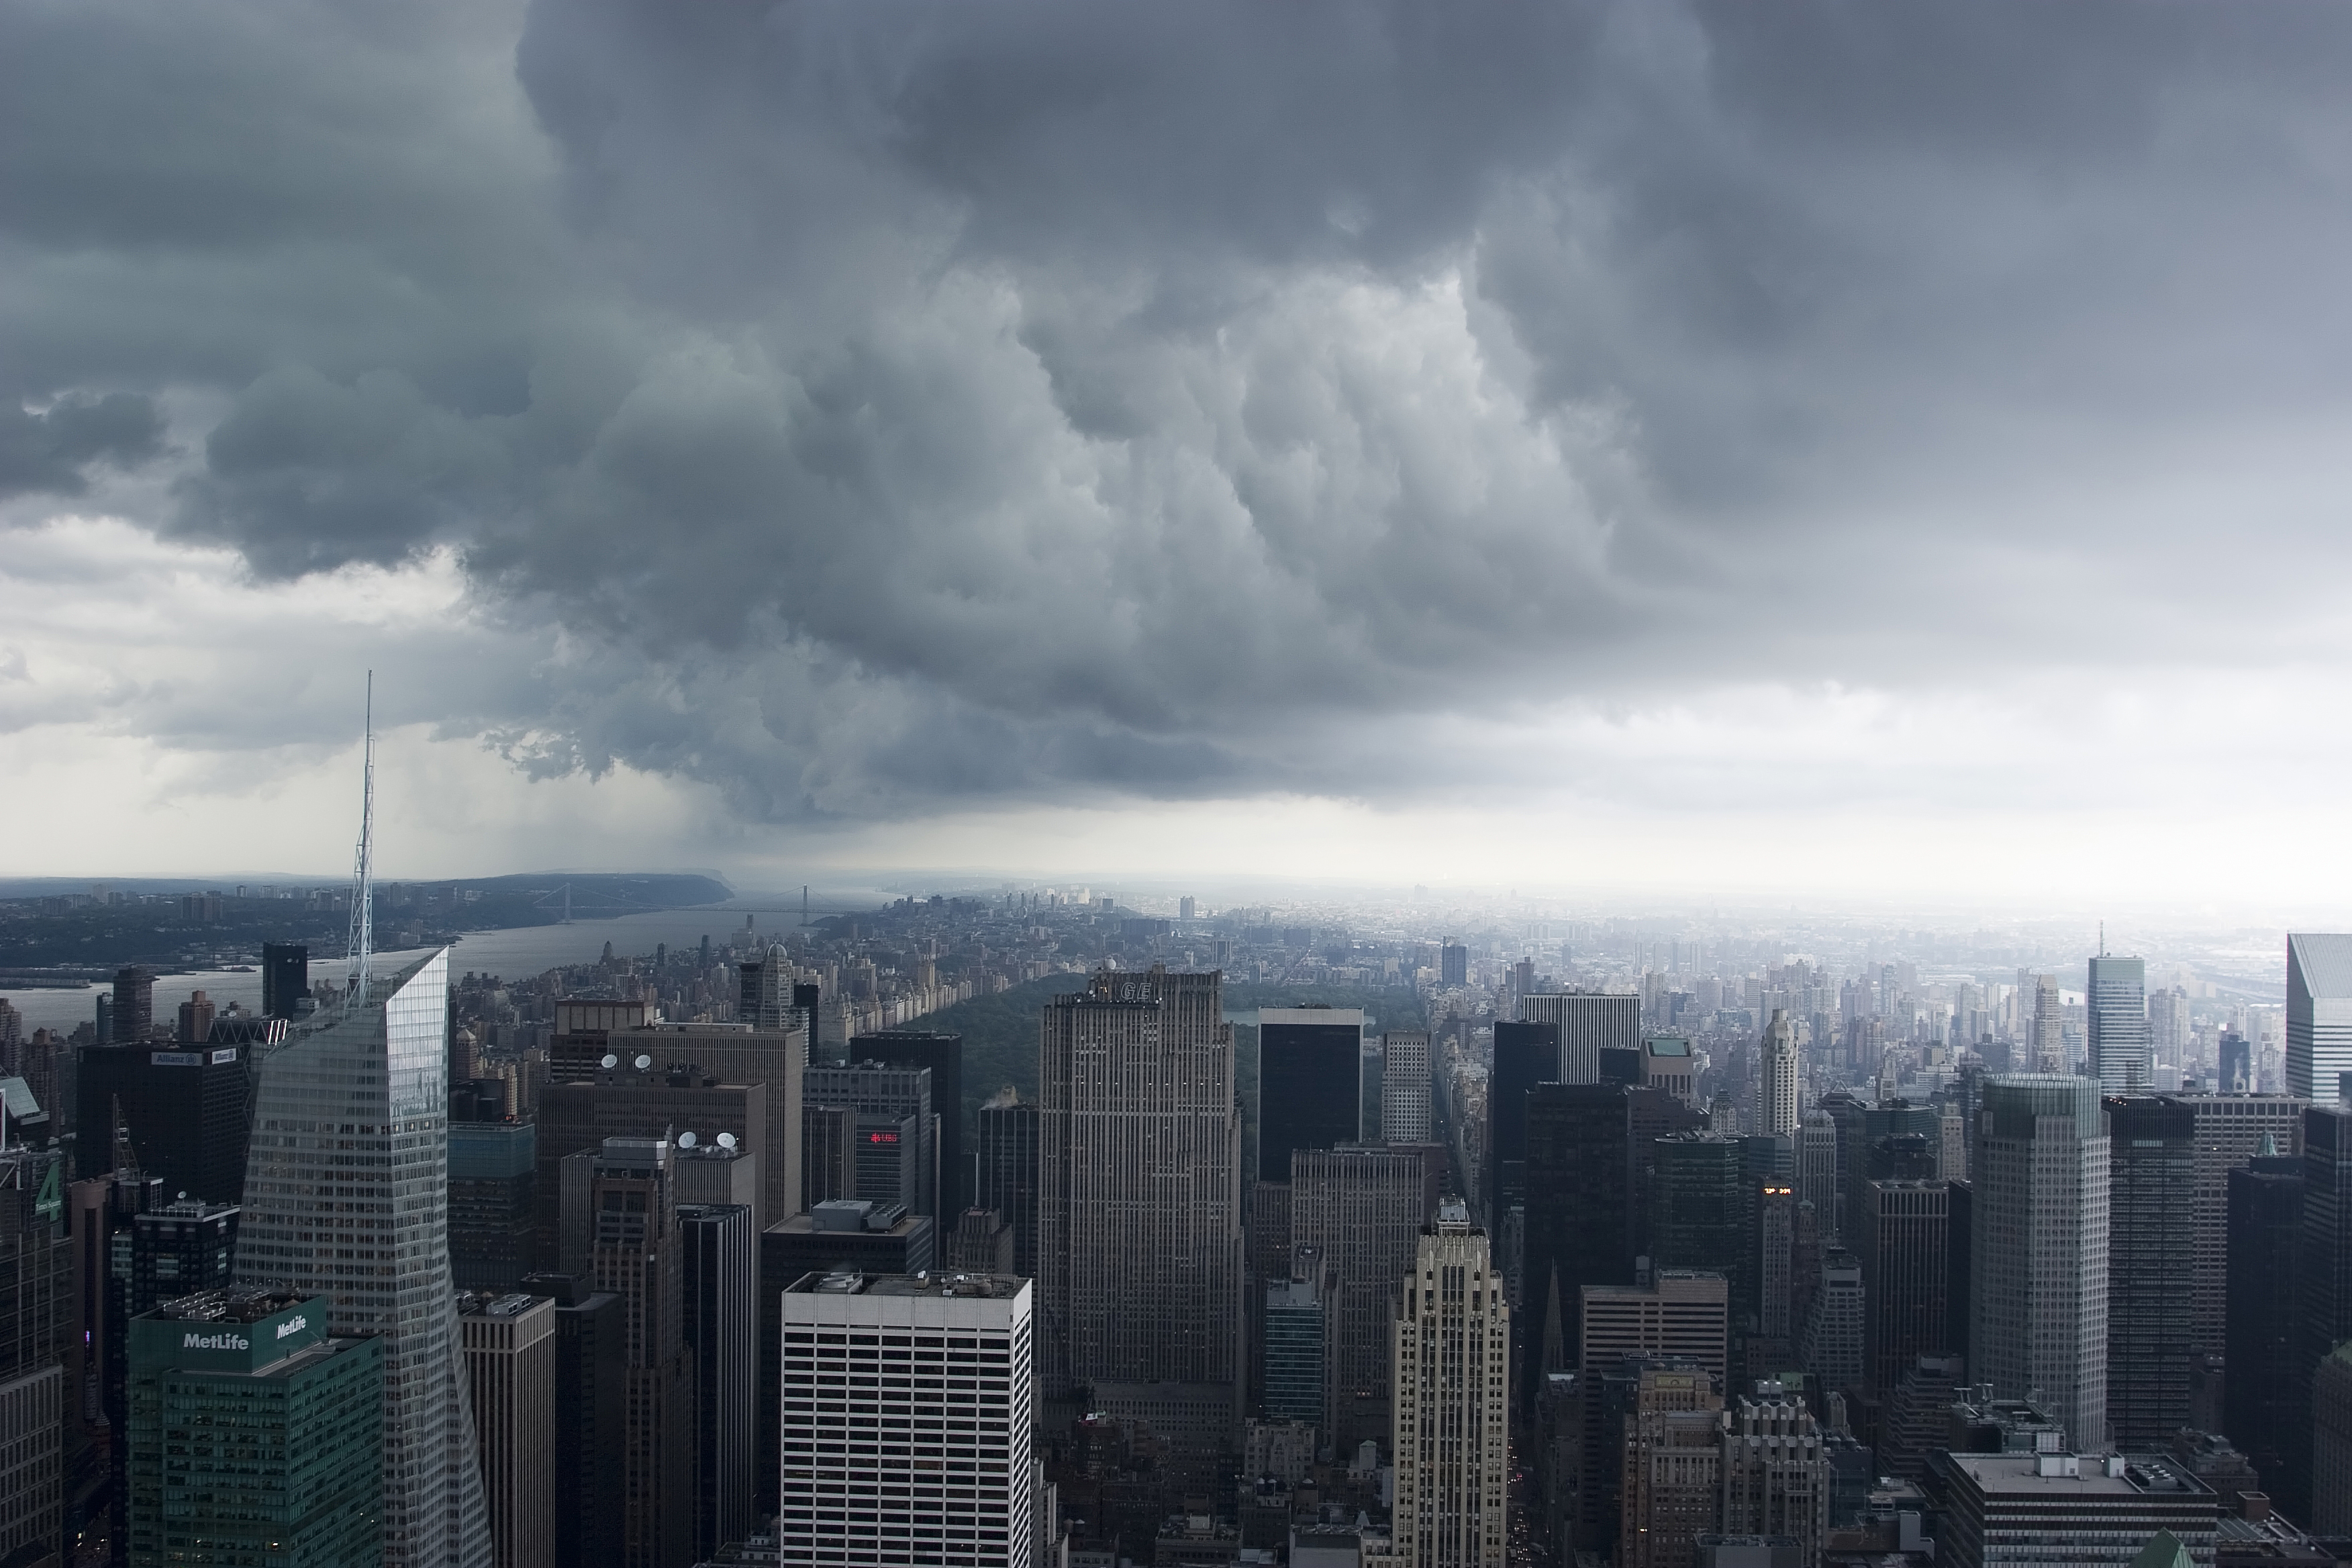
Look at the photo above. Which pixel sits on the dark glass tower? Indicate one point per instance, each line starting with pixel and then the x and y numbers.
pixel 1580 1216
pixel 1310 1083
pixel 1524 1056
pixel 1006 1137
pixel 2151 1232
pixel 592 1363
pixel 2259 1407
pixel 721 1342
pixel 184 1109
pixel 285 978
pixel 2323 1276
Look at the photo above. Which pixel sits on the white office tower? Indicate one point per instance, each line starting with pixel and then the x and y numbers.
pixel 347 1196
pixel 1452 1445
pixel 907 1407
pixel 2318 1015
pixel 1405 1086
pixel 1776 1078
pixel 2038 1317
pixel 2117 1018
pixel 1590 1021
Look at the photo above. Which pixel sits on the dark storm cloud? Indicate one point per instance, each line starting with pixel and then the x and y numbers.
pixel 888 406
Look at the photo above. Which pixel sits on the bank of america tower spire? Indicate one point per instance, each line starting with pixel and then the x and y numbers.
pixel 347 1196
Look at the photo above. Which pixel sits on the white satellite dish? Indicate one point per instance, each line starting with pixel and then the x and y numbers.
pixel 727 1140
pixel 611 1061
pixel 645 1062
pixel 685 1140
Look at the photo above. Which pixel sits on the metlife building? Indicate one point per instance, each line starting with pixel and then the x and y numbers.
pixel 253 1436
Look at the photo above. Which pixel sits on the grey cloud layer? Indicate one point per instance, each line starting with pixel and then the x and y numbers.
pixel 881 406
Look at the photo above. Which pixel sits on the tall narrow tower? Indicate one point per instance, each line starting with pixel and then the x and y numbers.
pixel 1138 1214
pixel 1776 1079
pixel 347 1196
pixel 1453 1402
pixel 2039 1240
pixel 2117 1019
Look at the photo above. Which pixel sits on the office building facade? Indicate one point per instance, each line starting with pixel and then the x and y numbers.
pixel 590 1414
pixel 1309 1088
pixel 721 1328
pixel 2116 1017
pixel 940 1055
pixel 1140 1226
pixel 253 1434
pixel 1451 1433
pixel 1588 1022
pixel 2089 1510
pixel 1359 1213
pixel 895 1159
pixel 930 1462
pixel 510 1355
pixel 1005 1140
pixel 351 1141
pixel 1526 1055
pixel 1775 1078
pixel 2318 1014
pixel 2265 1302
pixel 285 980
pixel 2039 1235
pixel 635 1252
pixel 1406 1088
pixel 493 1203
pixel 184 1109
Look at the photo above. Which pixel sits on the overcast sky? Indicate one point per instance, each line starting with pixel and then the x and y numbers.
pixel 1832 446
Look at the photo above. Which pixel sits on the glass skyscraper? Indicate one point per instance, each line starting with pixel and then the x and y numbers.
pixel 346 1197
pixel 2118 1013
pixel 2318 1014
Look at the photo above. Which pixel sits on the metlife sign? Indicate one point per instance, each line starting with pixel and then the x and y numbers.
pixel 215 1346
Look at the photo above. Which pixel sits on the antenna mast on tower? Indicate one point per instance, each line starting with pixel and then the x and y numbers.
pixel 363 937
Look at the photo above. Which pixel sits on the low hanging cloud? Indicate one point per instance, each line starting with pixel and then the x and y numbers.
pixel 866 411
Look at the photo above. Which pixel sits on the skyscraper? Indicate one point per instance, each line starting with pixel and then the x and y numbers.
pixel 629 1102
pixel 2117 1014
pixel 920 1472
pixel 2318 1014
pixel 591 1367
pixel 1005 1136
pixel 1451 1436
pixel 1776 1474
pixel 1140 1235
pixel 1405 1086
pixel 296 1416
pixel 350 1139
pixel 1297 1351
pixel 2039 1231
pixel 721 1330
pixel 285 979
pixel 2264 1308
pixel 2323 1276
pixel 134 1005
pixel 493 1222
pixel 1580 1213
pixel 184 1109
pixel 636 1252
pixel 1590 1021
pixel 1524 1056
pixel 943 1055
pixel 1678 1319
pixel 1359 1213
pixel 2152 1232
pixel 1776 1078
pixel 36 1318
pixel 1309 1085
pixel 1453 964
pixel 764 997
pixel 509 1345
pixel 1902 1240
pixel 1672 1468
pixel 893 1156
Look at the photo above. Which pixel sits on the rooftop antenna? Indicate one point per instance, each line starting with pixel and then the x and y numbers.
pixel 2102 938
pixel 363 935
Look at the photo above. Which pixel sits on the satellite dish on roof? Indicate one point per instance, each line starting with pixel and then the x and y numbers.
pixel 727 1140
pixel 645 1062
pixel 685 1140
pixel 610 1061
